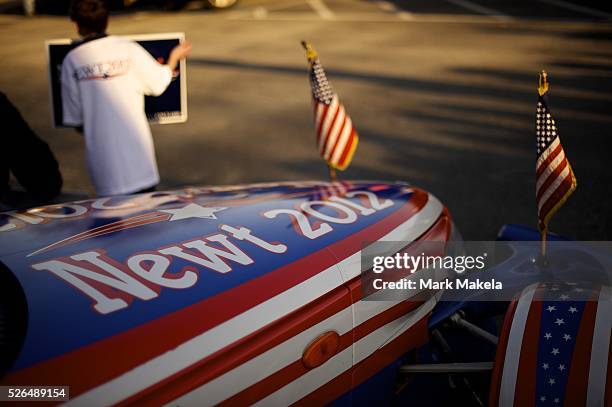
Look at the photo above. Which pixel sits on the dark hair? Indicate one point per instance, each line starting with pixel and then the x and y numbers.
pixel 90 15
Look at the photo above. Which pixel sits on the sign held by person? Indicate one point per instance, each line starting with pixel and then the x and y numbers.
pixel 169 107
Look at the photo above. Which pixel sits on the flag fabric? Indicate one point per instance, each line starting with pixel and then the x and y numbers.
pixel 555 348
pixel 555 180
pixel 336 136
pixel 328 190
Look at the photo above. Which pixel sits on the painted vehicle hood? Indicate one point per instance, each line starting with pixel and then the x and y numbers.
pixel 52 249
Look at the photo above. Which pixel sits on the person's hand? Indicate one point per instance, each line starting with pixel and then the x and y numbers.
pixel 179 52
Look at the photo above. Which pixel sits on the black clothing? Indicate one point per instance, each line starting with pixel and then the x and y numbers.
pixel 26 156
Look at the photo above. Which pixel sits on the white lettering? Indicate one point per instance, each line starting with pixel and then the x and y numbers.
pixel 117 280
pixel 155 273
pixel 212 255
pixel 349 218
pixel 243 233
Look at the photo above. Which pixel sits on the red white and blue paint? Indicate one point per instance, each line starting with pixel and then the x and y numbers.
pixel 554 348
pixel 211 295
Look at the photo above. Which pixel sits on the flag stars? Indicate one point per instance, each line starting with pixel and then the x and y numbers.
pixel 564 297
pixel 555 351
pixel 545 366
pixel 561 367
pixel 572 310
pixel 551 308
pixel 556 400
pixel 552 381
pixel 559 321
pixel 567 337
pixel 543 398
pixel 547 335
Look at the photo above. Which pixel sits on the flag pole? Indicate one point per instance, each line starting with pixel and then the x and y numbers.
pixel 543 240
pixel 542 89
pixel 311 54
pixel 332 173
pixel 543 83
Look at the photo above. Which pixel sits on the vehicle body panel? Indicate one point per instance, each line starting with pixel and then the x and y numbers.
pixel 171 294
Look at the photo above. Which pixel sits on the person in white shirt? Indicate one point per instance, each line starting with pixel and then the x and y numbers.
pixel 104 80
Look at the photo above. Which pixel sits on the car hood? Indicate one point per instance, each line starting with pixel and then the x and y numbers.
pixel 96 269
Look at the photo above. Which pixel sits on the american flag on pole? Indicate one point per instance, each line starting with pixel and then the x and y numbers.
pixel 555 180
pixel 336 136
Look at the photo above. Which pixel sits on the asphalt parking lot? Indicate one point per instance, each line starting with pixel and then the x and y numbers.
pixel 441 92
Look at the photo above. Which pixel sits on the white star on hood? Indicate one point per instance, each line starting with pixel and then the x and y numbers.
pixel 192 211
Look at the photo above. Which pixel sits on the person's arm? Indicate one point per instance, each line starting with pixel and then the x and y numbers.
pixel 155 77
pixel 179 52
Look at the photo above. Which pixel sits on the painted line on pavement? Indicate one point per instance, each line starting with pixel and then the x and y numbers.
pixel 466 4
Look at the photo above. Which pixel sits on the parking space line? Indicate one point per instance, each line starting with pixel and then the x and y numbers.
pixel 576 7
pixel 269 7
pixel 480 9
pixel 368 18
pixel 321 9
pixel 427 18
pixel 405 15
pixel 260 13
pixel 389 7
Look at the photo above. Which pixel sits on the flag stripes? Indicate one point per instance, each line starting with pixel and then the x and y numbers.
pixel 555 180
pixel 336 136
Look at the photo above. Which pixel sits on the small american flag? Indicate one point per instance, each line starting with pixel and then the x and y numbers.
pixel 336 137
pixel 555 180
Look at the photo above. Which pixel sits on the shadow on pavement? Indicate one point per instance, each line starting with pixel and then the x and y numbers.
pixel 473 146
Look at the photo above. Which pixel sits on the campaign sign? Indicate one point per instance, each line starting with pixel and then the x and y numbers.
pixel 169 107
